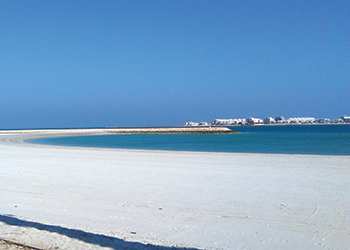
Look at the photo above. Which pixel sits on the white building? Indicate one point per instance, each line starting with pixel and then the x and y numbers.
pixel 324 120
pixel 252 121
pixel 301 120
pixel 229 121
pixel 269 120
pixel 191 124
pixel 346 118
pixel 338 120
pixel 203 124
pixel 280 119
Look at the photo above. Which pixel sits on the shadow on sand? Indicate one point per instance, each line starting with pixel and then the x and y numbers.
pixel 91 238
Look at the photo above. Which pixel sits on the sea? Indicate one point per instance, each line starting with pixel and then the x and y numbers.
pixel 297 139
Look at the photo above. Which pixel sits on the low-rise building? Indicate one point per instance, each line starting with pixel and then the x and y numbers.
pixel 226 122
pixel 253 121
pixel 346 118
pixel 203 124
pixel 324 120
pixel 222 121
pixel 191 124
pixel 301 120
pixel 269 120
pixel 279 119
pixel 339 120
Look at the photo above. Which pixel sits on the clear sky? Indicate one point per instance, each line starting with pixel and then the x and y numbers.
pixel 104 63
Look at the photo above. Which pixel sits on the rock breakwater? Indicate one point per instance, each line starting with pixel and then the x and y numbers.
pixel 173 130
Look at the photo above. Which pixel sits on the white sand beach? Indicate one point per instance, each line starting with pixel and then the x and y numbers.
pixel 88 198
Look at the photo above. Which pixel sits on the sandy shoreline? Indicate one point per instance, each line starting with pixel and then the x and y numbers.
pixel 87 198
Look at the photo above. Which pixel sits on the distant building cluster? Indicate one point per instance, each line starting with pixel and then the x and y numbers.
pixel 270 120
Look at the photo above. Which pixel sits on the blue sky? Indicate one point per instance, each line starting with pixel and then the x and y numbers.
pixel 164 62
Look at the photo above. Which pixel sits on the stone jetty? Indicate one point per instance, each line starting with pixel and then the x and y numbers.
pixel 173 130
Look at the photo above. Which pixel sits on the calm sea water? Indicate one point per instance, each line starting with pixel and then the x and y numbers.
pixel 320 140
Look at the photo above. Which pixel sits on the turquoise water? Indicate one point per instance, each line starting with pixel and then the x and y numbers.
pixel 319 140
